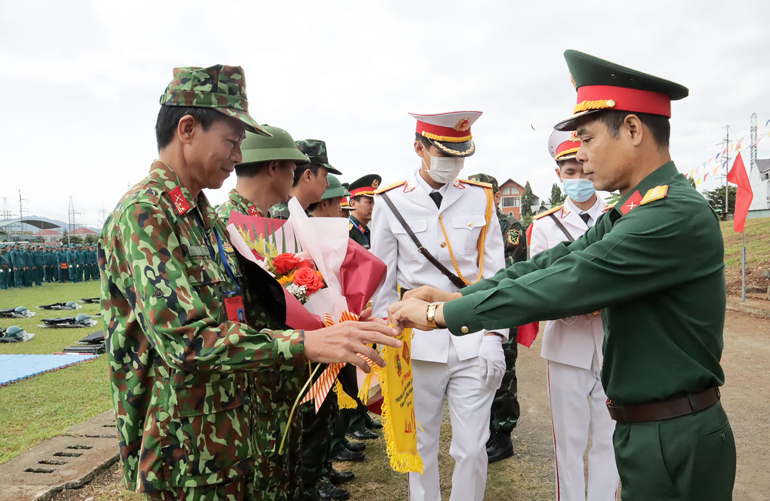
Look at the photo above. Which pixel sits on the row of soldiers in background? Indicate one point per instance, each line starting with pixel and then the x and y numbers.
pixel 260 184
pixel 24 265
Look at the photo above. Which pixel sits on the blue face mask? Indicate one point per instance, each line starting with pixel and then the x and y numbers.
pixel 579 190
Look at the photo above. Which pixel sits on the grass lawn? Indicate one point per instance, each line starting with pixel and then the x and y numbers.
pixel 757 237
pixel 44 406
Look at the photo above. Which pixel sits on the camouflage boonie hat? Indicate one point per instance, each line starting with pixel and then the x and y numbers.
pixel 220 87
pixel 486 178
pixel 315 149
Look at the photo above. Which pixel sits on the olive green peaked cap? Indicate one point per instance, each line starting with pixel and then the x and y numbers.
pixel 280 146
pixel 315 149
pixel 603 85
pixel 220 87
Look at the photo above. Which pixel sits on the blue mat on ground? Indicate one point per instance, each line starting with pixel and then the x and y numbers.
pixel 16 367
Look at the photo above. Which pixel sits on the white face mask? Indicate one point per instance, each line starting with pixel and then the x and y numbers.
pixel 444 170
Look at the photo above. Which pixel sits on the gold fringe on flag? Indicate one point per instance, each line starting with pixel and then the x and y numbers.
pixel 343 399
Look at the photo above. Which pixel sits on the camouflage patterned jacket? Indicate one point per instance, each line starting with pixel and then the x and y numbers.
pixel 278 476
pixel 514 238
pixel 178 369
pixel 279 210
pixel 237 202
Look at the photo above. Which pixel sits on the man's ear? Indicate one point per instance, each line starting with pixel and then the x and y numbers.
pixel 272 167
pixel 419 148
pixel 634 129
pixel 307 176
pixel 558 174
pixel 186 128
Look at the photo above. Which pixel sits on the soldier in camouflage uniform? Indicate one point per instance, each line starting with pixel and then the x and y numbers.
pixel 505 406
pixel 265 177
pixel 310 181
pixel 186 328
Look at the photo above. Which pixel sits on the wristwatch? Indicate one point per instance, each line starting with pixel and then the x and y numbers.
pixel 430 315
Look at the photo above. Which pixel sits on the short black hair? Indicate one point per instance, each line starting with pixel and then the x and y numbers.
pixel 423 140
pixel 250 170
pixel 169 117
pixel 301 170
pixel 659 125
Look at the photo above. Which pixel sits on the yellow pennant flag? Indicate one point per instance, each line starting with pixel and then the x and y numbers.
pixel 398 419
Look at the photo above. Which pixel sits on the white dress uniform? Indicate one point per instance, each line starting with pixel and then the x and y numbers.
pixel 444 366
pixel 573 348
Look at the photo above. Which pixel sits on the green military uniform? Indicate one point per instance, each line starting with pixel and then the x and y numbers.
pixel 179 368
pixel 359 233
pixel 61 259
pixel 654 266
pixel 17 264
pixel 39 265
pixel 278 476
pixel 5 268
pixel 279 210
pixel 72 263
pixel 505 407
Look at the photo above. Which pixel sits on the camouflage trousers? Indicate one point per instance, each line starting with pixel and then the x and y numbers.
pixel 278 473
pixel 505 406
pixel 237 490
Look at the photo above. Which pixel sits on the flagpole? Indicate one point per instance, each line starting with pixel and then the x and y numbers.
pixel 743 246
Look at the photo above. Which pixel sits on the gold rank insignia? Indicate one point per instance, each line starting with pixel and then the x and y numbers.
pixel 350 227
pixel 228 248
pixel 657 193
pixel 514 236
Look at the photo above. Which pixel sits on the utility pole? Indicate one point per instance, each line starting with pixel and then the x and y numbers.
pixel 753 161
pixel 71 217
pixel 727 169
pixel 21 213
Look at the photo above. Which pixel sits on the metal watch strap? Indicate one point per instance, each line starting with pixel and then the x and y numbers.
pixel 457 281
pixel 430 315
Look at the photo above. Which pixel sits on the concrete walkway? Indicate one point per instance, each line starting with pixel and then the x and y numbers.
pixel 68 461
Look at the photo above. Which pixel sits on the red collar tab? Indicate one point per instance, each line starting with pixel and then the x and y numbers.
pixel 599 97
pixel 181 204
pixel 253 211
pixel 632 202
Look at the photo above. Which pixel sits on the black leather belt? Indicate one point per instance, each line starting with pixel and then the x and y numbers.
pixel 664 409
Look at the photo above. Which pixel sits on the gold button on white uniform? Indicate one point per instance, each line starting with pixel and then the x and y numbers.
pixel 464 329
pixel 443 244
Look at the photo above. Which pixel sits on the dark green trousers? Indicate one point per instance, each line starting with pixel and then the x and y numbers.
pixel 317 430
pixel 505 406
pixel 689 458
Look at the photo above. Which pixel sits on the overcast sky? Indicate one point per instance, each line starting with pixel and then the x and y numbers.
pixel 81 80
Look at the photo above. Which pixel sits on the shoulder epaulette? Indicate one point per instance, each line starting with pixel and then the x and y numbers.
pixel 388 188
pixel 608 208
pixel 476 183
pixel 657 193
pixel 549 211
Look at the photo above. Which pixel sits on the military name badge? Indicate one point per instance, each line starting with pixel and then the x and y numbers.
pixel 180 202
pixel 514 236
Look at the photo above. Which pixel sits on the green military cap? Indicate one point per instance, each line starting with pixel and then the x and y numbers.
pixel 220 87
pixel 486 178
pixel 365 186
pixel 315 149
pixel 602 85
pixel 280 146
pixel 335 188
